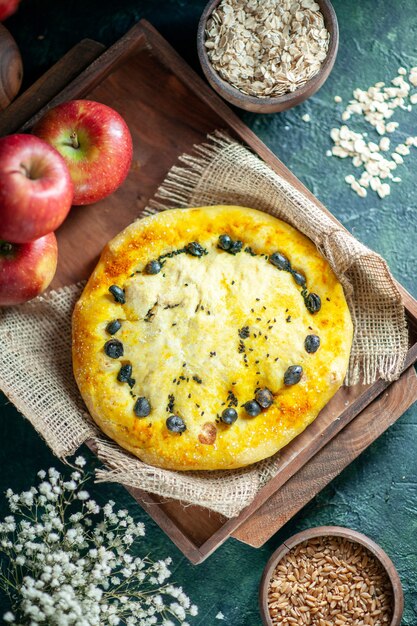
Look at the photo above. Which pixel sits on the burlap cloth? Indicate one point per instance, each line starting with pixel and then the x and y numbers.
pixel 35 366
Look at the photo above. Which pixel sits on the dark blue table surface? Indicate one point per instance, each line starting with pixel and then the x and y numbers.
pixel 377 494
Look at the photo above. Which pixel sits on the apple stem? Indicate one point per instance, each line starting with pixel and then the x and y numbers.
pixel 74 140
pixel 25 170
pixel 5 247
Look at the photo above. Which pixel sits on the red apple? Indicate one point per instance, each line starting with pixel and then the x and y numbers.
pixel 26 269
pixel 7 7
pixel 95 143
pixel 35 188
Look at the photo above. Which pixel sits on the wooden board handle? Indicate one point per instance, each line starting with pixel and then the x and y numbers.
pixel 49 85
pixel 329 462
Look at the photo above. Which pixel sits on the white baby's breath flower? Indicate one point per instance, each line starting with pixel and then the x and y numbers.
pixel 158 601
pixel 71 535
pixel 54 475
pixel 8 617
pixel 70 485
pixel 80 461
pixel 178 610
pixel 184 600
pixel 77 573
pixel 26 498
pixel 93 507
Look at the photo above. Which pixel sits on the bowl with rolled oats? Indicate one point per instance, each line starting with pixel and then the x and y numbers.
pixel 330 576
pixel 270 55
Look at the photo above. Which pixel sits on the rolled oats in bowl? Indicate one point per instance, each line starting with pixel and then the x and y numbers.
pixel 266 48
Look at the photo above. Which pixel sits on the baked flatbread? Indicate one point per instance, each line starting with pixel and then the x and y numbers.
pixel 209 338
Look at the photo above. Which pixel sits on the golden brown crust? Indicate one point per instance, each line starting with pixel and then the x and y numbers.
pixel 181 326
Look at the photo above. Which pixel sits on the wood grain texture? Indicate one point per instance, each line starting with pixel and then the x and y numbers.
pixel 168 109
pixel 277 103
pixel 51 83
pixel 11 68
pixel 330 461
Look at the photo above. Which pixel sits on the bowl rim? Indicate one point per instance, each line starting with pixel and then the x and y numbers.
pixel 332 531
pixel 312 85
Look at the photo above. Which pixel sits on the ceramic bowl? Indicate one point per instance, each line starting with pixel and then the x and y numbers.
pixel 332 531
pixel 277 103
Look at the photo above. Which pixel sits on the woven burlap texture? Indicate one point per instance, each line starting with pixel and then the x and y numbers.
pixel 35 367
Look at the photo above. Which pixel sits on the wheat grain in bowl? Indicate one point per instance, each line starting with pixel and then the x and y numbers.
pixel 330 581
pixel 267 48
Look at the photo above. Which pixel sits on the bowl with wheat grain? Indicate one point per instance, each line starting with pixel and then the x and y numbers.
pixel 330 576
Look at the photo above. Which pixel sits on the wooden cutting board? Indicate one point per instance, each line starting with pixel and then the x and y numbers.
pixel 169 109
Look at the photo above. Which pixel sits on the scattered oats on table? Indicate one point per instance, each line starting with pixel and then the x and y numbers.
pixel 376 105
pixel 267 48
